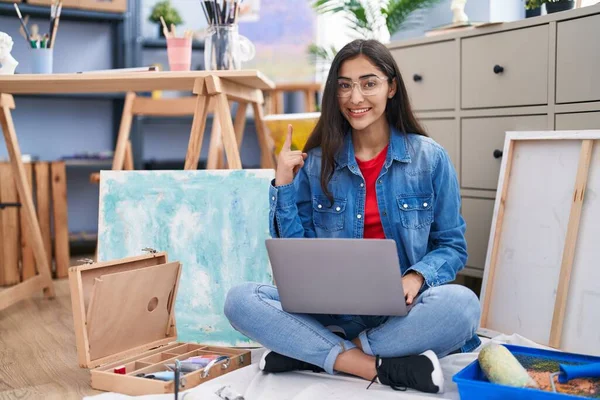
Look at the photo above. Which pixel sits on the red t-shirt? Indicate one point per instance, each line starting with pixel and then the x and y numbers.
pixel 370 170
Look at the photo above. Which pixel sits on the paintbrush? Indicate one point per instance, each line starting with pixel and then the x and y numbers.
pixel 55 27
pixel 173 31
pixel 224 12
pixel 231 13
pixel 23 24
pixel 22 31
pixel 217 11
pixel 205 11
pixel 52 15
pixel 164 25
pixel 208 6
pixel 35 32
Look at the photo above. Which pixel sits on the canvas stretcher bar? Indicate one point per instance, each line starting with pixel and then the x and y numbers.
pixel 564 279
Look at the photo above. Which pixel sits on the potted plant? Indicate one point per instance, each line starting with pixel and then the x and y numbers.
pixel 553 6
pixel 169 13
pixel 533 8
pixel 368 19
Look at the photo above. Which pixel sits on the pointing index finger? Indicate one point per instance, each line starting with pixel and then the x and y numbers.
pixel 288 138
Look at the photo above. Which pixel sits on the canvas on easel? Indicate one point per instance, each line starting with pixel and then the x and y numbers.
pixel 541 275
pixel 214 222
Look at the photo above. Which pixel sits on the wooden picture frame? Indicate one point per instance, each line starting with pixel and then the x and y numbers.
pixel 537 278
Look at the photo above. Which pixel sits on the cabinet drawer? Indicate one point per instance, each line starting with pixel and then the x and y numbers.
pixel 478 215
pixel 481 137
pixel 429 73
pixel 505 69
pixel 444 132
pixel 578 60
pixel 574 121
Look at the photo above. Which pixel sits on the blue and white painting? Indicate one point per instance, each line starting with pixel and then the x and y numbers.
pixel 214 222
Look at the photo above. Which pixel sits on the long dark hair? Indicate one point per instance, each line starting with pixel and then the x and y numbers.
pixel 332 125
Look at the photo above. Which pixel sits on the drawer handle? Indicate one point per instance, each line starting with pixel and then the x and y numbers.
pixel 417 78
pixel 497 153
pixel 498 69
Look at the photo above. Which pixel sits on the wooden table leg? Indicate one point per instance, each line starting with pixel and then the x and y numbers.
pixel 128 161
pixel 124 131
pixel 267 158
pixel 215 149
pixel 198 125
pixel 240 122
pixel 44 279
pixel 215 154
pixel 222 111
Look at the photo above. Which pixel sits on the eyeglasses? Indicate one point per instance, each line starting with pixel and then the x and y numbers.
pixel 367 86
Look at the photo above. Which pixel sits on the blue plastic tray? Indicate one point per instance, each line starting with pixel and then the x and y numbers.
pixel 473 385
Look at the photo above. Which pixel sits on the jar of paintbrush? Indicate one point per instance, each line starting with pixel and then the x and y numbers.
pixel 179 49
pixel 224 47
pixel 42 46
pixel 42 55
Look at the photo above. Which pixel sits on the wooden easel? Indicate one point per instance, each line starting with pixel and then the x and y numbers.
pixel 43 280
pixel 211 97
pixel 173 107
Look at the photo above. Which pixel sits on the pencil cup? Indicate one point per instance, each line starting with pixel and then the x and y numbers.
pixel 179 52
pixel 41 61
pixel 226 49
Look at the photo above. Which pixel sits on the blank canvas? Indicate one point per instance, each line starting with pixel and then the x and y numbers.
pixel 532 239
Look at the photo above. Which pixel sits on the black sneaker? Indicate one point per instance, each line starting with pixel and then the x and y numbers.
pixel 422 372
pixel 275 362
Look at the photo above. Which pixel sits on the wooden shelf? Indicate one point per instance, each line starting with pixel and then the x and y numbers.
pixel 88 163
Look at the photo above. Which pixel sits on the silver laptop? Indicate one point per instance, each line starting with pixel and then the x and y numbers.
pixel 338 276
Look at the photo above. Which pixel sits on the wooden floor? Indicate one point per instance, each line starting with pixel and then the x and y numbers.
pixel 38 356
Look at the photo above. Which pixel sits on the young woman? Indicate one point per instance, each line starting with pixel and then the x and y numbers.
pixel 368 170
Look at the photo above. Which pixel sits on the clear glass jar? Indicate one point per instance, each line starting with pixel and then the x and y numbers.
pixel 225 48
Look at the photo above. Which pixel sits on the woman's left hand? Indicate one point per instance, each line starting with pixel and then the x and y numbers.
pixel 412 283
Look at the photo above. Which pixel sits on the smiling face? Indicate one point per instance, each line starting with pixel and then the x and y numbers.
pixel 363 102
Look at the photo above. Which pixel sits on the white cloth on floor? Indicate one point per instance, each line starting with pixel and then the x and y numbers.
pixel 253 384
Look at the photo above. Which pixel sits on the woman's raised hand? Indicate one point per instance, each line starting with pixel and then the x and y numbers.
pixel 288 162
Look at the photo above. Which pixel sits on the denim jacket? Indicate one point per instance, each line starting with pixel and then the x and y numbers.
pixel 418 198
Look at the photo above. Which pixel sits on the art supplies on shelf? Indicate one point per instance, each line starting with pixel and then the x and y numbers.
pixel 179 49
pixel 221 12
pixel 34 39
pixel 172 32
pixel 141 355
pixel 224 47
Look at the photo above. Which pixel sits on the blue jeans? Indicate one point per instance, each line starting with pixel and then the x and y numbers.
pixel 444 319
